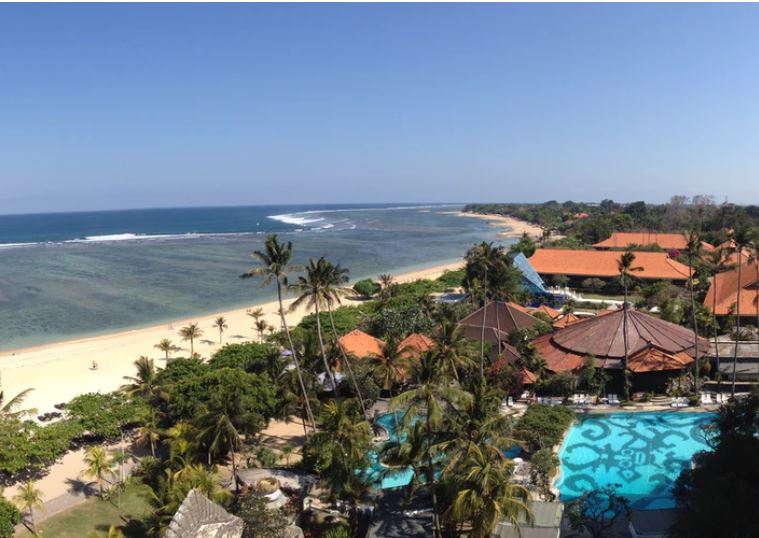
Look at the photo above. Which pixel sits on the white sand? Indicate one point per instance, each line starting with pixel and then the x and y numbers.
pixel 58 372
pixel 518 227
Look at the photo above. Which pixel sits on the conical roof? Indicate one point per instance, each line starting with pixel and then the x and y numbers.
pixel 506 317
pixel 602 336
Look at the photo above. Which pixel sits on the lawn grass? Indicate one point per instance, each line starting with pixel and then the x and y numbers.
pixel 96 516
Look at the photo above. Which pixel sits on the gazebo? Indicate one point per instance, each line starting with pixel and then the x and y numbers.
pixel 656 349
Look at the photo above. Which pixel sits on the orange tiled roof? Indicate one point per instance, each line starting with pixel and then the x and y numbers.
pixel 547 310
pixel 654 359
pixel 414 345
pixel 360 344
pixel 667 241
pixel 566 319
pixel 603 264
pixel 527 377
pixel 725 285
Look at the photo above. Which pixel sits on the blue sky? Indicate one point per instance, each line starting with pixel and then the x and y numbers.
pixel 110 106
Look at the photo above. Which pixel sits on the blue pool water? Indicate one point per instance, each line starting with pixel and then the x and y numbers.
pixel 402 477
pixel 643 452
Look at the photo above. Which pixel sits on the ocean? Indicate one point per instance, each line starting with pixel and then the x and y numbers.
pixel 68 275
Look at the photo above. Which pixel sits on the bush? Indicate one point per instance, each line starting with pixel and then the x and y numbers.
pixel 543 465
pixel 254 358
pixel 543 426
pixel 9 518
pixel 367 287
pixel 452 279
pixel 556 385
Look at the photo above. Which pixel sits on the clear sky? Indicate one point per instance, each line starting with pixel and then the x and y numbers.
pixel 110 106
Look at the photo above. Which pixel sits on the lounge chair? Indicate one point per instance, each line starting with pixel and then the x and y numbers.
pixel 683 402
pixel 510 402
pixel 706 398
pixel 613 399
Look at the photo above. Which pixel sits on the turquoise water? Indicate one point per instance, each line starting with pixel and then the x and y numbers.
pixel 643 452
pixel 76 274
pixel 400 478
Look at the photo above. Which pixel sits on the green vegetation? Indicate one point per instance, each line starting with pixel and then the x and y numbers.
pixel 9 518
pixel 367 287
pixel 543 426
pixel 719 497
pixel 94 517
pixel 598 511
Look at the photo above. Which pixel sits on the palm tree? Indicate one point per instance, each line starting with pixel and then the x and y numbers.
pixel 98 466
pixel 434 394
pixel 145 383
pixel 718 261
pixel 257 313
pixel 451 348
pixel 487 495
pixel 741 237
pixel 411 451
pixel 693 252
pixel 312 289
pixel 9 409
pixel 287 451
pixel 334 289
pixel 261 327
pixel 221 324
pixel 165 345
pixel 275 265
pixel 29 499
pixel 387 282
pixel 625 267
pixel 149 432
pixel 191 332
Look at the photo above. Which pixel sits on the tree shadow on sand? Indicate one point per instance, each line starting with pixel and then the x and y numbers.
pixel 80 487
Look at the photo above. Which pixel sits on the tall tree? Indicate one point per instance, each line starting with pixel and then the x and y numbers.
pixel 741 237
pixel 145 383
pixel 693 253
pixel 165 345
pixel 718 261
pixel 221 324
pixel 97 466
pixel 312 289
pixel 29 499
pixel 625 267
pixel 434 393
pixel 191 332
pixel 274 265
pixel 336 278
pixel 486 494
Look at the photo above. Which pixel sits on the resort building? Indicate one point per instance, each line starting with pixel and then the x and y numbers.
pixel 544 523
pixel 531 280
pixel 500 319
pixel 725 287
pixel 360 344
pixel 656 349
pixel 602 264
pixel 747 365
pixel 665 241
pixel 197 517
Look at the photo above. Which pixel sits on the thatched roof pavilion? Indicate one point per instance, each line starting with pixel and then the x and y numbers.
pixel 654 345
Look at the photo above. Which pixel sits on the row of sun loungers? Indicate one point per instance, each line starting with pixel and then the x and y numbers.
pixel 678 401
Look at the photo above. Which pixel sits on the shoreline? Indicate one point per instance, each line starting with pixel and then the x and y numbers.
pixel 59 371
pixel 517 226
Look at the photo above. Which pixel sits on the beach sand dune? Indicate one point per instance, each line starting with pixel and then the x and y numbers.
pixel 60 371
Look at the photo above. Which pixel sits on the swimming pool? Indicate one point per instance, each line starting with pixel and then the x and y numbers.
pixel 396 478
pixel 643 452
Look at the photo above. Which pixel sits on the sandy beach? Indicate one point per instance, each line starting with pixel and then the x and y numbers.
pixel 57 372
pixel 517 227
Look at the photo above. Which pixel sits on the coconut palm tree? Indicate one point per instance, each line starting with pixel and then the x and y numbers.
pixel 10 408
pixel 717 261
pixel 221 324
pixel 334 290
pixel 312 288
pixel 625 267
pixel 191 332
pixel 256 313
pixel 741 236
pixel 410 450
pixel 145 383
pixel 275 265
pixel 693 252
pixel 451 348
pixel 149 433
pixel 387 283
pixel 261 327
pixel 28 500
pixel 435 395
pixel 167 346
pixel 97 466
pixel 486 494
